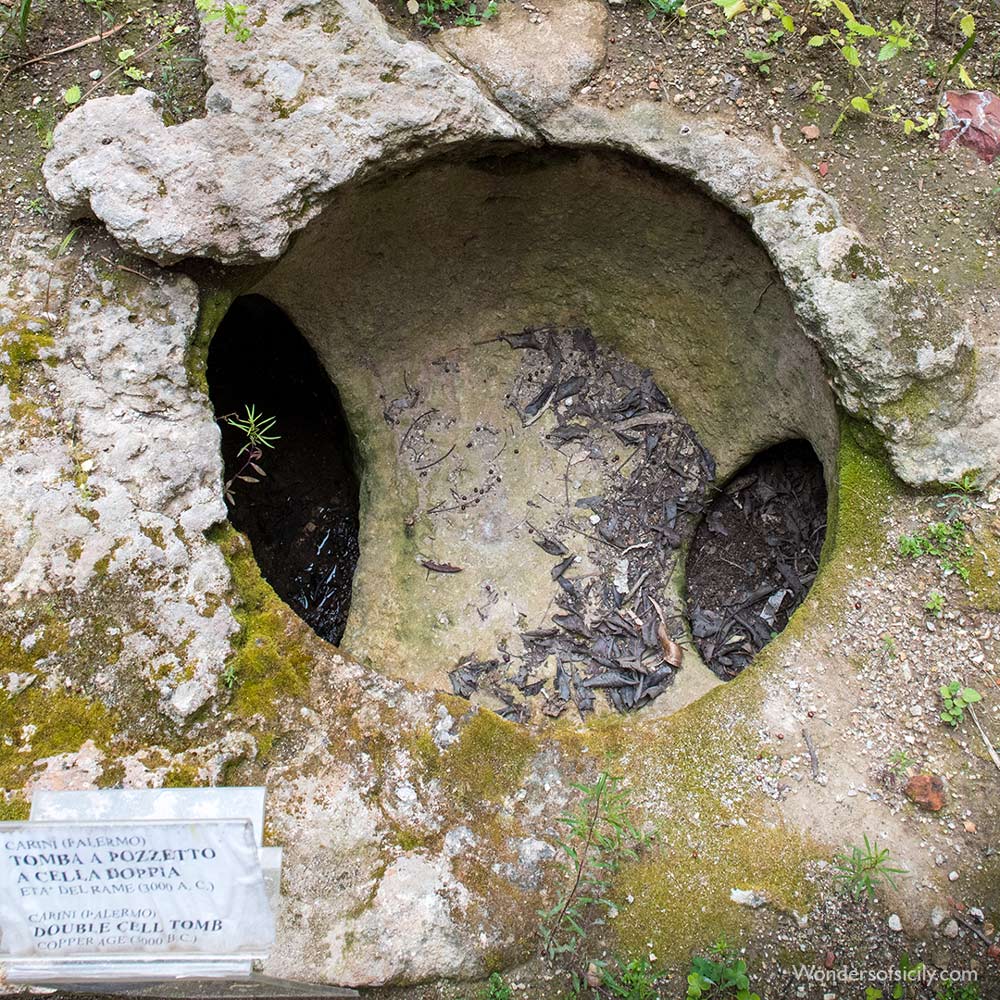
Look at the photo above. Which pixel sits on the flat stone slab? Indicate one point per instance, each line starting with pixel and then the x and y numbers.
pixel 205 989
pixel 153 804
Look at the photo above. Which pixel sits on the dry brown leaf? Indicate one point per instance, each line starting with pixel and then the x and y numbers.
pixel 673 653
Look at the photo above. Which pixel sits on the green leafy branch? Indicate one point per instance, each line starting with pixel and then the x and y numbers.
pixel 600 837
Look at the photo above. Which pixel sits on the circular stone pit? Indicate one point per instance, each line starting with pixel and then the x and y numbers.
pixel 540 397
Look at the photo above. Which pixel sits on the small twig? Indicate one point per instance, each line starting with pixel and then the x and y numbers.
pixel 972 927
pixel 68 48
pixel 762 294
pixel 430 465
pixel 122 267
pixel 989 745
pixel 107 76
pixel 813 759
pixel 409 430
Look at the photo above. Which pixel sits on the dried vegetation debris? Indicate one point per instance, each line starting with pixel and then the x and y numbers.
pixel 755 556
pixel 616 629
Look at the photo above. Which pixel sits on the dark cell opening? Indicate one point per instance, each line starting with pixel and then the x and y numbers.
pixel 301 516
pixel 755 555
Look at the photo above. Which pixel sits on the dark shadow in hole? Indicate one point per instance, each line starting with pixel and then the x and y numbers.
pixel 755 555
pixel 302 516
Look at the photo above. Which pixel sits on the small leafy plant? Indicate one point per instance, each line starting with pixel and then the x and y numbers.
pixel 864 869
pixel 935 603
pixel 944 540
pixel 900 762
pixel 956 698
pixel 665 8
pixel 724 975
pixel 256 428
pixel 496 989
pixel 909 972
pixel 958 991
pixel 631 980
pixel 466 15
pixel 234 16
pixel 600 836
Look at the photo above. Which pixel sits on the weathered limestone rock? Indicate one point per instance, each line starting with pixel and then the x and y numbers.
pixel 124 504
pixel 531 61
pixel 311 101
pixel 412 930
pixel 296 113
pixel 885 341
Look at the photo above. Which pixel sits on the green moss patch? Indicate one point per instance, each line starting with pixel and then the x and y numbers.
pixel 271 661
pixel 62 723
pixel 682 893
pixel 14 809
pixel 488 761
pixel 21 349
pixel 693 776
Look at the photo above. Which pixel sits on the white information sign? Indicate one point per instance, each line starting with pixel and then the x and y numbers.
pixel 131 890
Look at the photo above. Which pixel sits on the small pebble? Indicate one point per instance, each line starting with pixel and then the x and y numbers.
pixel 951 929
pixel 953 876
pixel 895 924
pixel 95 74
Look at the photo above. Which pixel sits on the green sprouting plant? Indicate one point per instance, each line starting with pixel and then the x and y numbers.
pixel 234 16
pixel 229 676
pixel 129 69
pixel 960 495
pixel 599 837
pixel 759 59
pixel 20 16
pixel 665 8
pixel 909 972
pixel 473 17
pixel 966 486
pixel 935 603
pixel 468 16
pixel 496 989
pixel 724 975
pixel 944 540
pixel 958 991
pixel 900 762
pixel 862 871
pixel 956 698
pixel 889 647
pixel 256 428
pixel 632 980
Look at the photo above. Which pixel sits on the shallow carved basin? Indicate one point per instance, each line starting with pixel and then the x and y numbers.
pixel 543 401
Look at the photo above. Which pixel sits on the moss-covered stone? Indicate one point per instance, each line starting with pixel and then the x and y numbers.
pixel 212 309
pixel 14 808
pixel 488 761
pixel 271 660
pixel 182 776
pixel 39 723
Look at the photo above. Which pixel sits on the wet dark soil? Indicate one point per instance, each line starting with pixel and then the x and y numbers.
pixel 755 555
pixel 301 514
